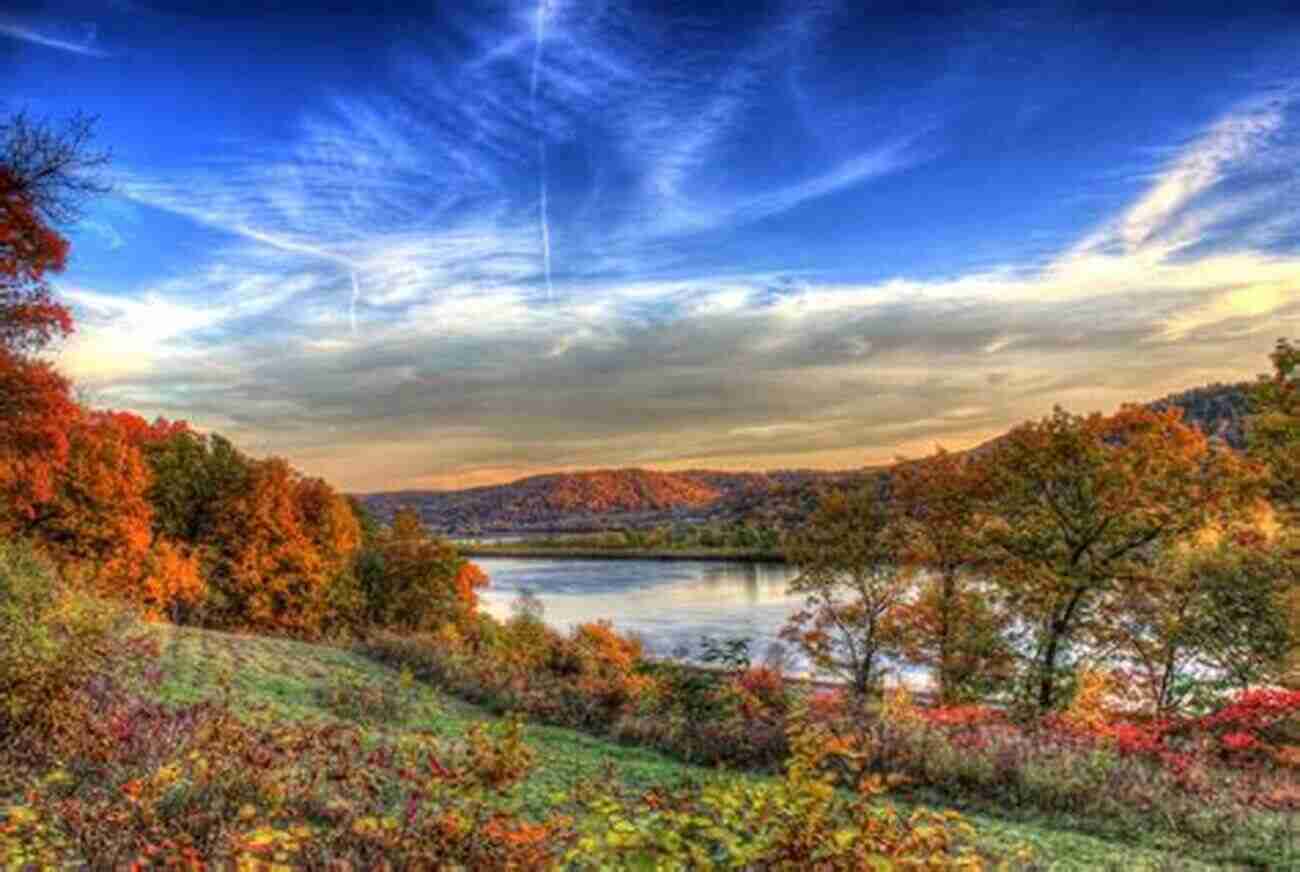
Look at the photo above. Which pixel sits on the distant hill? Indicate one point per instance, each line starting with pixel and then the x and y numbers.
pixel 601 499
pixel 608 498
pixel 556 501
pixel 1219 410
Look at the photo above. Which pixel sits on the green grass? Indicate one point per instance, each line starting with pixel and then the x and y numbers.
pixel 277 678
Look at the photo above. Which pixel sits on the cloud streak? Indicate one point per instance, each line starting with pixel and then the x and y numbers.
pixel 543 207
pixel 16 30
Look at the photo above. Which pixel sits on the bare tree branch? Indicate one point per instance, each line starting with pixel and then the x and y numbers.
pixel 52 165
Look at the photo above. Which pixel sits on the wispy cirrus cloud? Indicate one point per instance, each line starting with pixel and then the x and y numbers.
pixel 85 45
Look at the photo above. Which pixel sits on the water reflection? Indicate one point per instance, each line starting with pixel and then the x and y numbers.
pixel 667 603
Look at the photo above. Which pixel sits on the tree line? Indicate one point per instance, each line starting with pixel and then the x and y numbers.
pixel 181 523
pixel 1129 542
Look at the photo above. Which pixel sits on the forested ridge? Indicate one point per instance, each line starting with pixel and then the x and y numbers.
pixel 641 499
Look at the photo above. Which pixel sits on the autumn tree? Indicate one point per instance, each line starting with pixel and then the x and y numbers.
pixel 46 172
pixel 36 414
pixel 850 577
pixel 276 543
pixel 1079 504
pixel 950 625
pixel 169 583
pixel 30 249
pixel 99 514
pixel 1273 430
pixel 193 473
pixel 97 522
pixel 1273 438
pixel 415 581
pixel 370 527
pixel 1202 616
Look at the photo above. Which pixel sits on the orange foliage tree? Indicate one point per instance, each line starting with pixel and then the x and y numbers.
pixel 98 523
pixel 950 625
pixel 170 581
pixel 1079 505
pixel 277 543
pixel 99 513
pixel 36 413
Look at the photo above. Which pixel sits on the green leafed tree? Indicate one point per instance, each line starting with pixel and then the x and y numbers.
pixel 1202 618
pixel 1273 429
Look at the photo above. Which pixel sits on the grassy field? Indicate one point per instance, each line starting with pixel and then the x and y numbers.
pixel 283 679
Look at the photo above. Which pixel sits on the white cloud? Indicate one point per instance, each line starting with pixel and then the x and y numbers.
pixel 1238 137
pixel 85 46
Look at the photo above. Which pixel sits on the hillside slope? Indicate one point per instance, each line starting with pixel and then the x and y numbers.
pixel 283 679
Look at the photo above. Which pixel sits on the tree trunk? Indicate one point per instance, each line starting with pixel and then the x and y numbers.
pixel 862 678
pixel 1047 676
pixel 1057 630
pixel 946 682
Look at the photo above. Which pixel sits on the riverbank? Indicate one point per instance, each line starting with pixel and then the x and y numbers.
pixel 571 553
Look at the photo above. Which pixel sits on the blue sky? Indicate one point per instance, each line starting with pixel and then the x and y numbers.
pixel 451 244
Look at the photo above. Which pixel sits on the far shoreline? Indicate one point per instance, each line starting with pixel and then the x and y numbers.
pixel 711 554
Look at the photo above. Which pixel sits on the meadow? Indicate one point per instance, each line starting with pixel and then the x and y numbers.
pixel 282 681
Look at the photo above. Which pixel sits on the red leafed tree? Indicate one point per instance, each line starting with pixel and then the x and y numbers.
pixel 36 408
pixel 99 512
pixel 146 433
pixel 29 249
pixel 36 414
pixel 45 173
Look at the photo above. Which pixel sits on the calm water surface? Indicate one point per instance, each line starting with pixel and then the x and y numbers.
pixel 667 603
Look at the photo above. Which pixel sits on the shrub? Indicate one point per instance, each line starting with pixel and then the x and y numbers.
pixel 1119 778
pixel 596 680
pixel 369 702
pixel 198 786
pixel 797 822
pixel 53 642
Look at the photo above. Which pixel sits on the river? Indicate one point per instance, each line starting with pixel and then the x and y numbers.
pixel 668 604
